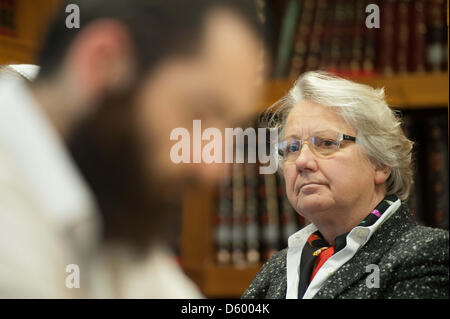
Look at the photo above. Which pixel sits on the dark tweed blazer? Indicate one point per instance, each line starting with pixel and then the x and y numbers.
pixel 412 259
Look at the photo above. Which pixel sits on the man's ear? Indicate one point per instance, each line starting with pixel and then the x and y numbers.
pixel 101 58
pixel 381 174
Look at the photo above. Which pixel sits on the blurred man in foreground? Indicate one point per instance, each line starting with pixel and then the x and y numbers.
pixel 86 181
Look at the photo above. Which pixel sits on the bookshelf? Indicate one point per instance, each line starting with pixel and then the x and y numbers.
pixel 405 92
pixel 28 22
pixel 409 91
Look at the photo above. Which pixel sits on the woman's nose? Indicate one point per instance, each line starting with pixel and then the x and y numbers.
pixel 306 159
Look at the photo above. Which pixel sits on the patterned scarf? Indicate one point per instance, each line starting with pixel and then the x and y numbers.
pixel 317 250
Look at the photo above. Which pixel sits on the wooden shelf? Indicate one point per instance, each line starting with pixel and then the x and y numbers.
pixel 32 18
pixel 409 91
pixel 198 252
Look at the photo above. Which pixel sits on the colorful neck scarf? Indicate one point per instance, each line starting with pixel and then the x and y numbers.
pixel 317 250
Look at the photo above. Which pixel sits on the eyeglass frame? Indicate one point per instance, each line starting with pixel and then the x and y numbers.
pixel 341 137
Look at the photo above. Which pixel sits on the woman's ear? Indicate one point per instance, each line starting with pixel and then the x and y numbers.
pixel 381 174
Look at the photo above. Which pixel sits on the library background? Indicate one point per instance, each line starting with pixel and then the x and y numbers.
pixel 229 231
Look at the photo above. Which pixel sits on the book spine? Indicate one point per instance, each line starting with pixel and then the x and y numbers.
pixel 251 216
pixel 289 25
pixel 288 216
pixel 270 217
pixel 435 49
pixel 415 200
pixel 386 42
pixel 418 42
pixel 438 179
pixel 369 51
pixel 313 57
pixel 237 233
pixel 357 45
pixel 223 220
pixel 445 18
pixel 337 37
pixel 327 36
pixel 301 43
pixel 265 15
pixel 402 36
pixel 347 38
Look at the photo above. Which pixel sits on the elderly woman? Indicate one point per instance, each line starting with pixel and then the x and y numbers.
pixel 347 166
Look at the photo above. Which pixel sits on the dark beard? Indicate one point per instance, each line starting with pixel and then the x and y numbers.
pixel 134 208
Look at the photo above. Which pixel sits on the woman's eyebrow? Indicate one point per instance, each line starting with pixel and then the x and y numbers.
pixel 296 136
pixel 292 136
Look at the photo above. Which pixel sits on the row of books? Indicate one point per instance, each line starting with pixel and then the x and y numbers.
pixel 429 199
pixel 341 37
pixel 254 218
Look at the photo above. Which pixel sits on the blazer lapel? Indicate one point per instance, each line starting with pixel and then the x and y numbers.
pixel 380 242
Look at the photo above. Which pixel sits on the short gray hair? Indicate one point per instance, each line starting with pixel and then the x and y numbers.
pixel 379 131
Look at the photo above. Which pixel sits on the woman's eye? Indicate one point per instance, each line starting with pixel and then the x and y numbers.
pixel 326 143
pixel 292 148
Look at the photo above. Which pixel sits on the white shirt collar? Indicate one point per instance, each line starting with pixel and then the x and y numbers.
pixel 28 71
pixel 356 238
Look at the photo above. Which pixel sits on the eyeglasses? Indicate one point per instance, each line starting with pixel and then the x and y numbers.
pixel 322 144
